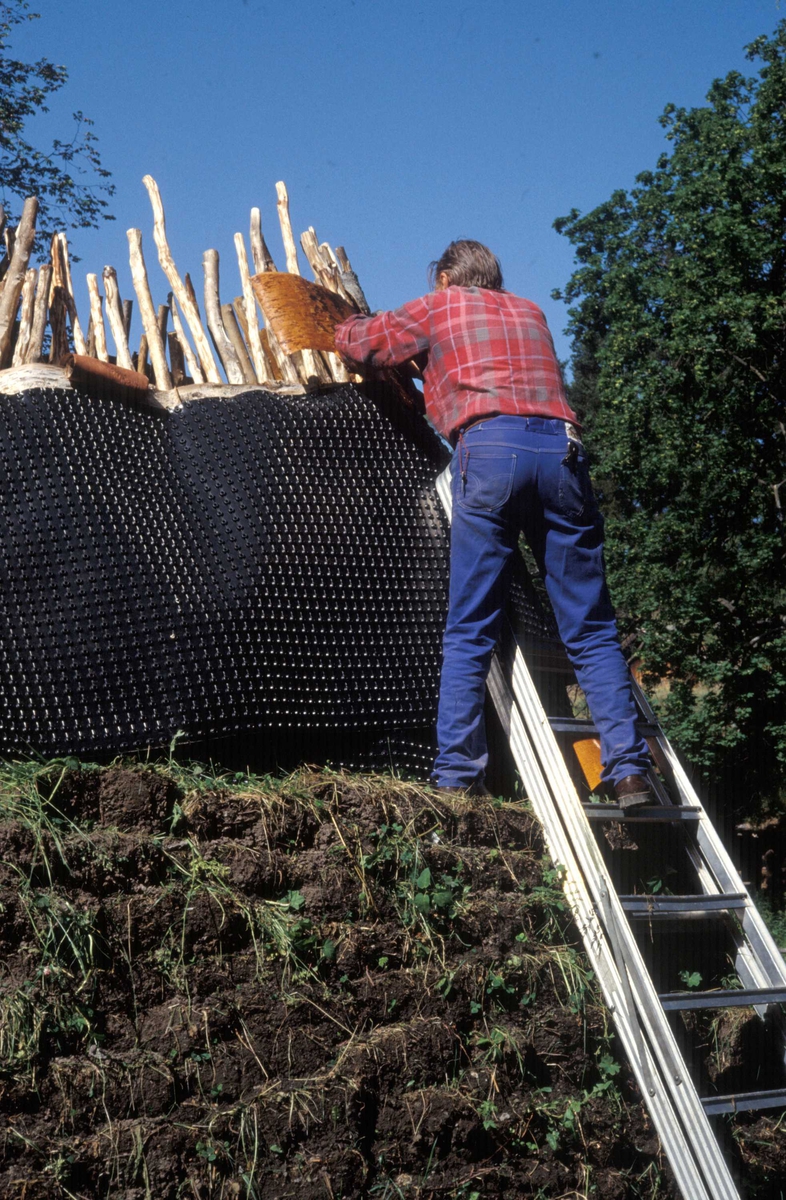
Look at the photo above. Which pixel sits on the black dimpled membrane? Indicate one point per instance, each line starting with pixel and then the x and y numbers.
pixel 259 562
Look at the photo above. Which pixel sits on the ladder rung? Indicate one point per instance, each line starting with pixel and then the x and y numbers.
pixel 745 1101
pixel 650 812
pixel 579 725
pixel 682 906
pixel 736 997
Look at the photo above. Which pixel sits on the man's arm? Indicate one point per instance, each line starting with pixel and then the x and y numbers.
pixel 388 339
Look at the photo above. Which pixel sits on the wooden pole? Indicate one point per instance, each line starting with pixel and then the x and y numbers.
pixel 58 305
pixel 189 307
pixel 40 313
pixel 114 314
pixel 128 309
pixel 15 278
pixel 263 260
pixel 351 281
pixel 224 348
pixel 236 338
pixel 162 316
pixel 250 304
pixel 98 318
pixel 25 317
pixel 176 359
pixel 142 364
pixel 193 365
pixel 163 379
pixel 311 367
pixel 80 345
pixel 288 238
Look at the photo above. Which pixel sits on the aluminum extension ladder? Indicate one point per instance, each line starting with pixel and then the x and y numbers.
pixel 609 922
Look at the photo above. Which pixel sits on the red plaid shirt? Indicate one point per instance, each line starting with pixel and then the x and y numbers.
pixel 488 352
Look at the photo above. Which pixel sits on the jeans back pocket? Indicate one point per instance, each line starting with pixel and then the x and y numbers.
pixel 489 480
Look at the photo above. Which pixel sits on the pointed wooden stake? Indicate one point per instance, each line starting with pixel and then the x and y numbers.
pixel 163 379
pixel 186 302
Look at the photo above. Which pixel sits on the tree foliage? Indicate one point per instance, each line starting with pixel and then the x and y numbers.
pixel 56 176
pixel 678 313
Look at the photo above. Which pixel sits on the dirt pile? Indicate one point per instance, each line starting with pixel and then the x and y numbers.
pixel 327 986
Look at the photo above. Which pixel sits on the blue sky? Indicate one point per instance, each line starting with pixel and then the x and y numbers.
pixel 396 125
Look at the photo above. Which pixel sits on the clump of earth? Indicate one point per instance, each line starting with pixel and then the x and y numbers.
pixel 326 986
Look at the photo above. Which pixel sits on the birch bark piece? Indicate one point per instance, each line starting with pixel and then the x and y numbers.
pixel 98 318
pixel 15 277
pixel 80 345
pixel 193 365
pixel 147 312
pixel 224 348
pixel 250 305
pixel 190 309
pixel 263 260
pixel 236 338
pixel 40 313
pixel 288 238
pixel 114 314
pixel 25 317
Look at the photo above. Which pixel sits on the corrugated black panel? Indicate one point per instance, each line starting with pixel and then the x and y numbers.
pixel 255 562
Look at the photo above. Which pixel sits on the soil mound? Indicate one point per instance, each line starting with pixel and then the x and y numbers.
pixel 319 987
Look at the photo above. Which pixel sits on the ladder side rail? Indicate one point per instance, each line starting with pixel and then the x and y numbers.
pixel 683 1093
pixel 764 964
pixel 677 1136
pixel 676 1146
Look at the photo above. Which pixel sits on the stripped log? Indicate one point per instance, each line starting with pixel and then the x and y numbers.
pixel 351 281
pixel 185 345
pixel 40 314
pixel 114 314
pixel 97 317
pixel 80 345
pixel 287 236
pixel 252 324
pixel 25 317
pixel 263 259
pixel 15 278
pixel 236 338
pixel 186 302
pixel 163 380
pixel 224 348
pixel 91 338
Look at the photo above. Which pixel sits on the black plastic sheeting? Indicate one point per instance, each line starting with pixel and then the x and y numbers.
pixel 259 563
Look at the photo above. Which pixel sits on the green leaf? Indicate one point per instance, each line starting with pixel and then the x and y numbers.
pixel 424 879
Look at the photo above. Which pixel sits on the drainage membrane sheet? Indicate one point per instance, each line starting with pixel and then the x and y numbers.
pixel 259 562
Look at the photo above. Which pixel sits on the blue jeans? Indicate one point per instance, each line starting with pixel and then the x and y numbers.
pixel 514 474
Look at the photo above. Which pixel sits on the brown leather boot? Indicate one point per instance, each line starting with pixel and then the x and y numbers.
pixel 632 792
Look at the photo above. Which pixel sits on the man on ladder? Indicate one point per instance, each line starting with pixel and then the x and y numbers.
pixel 494 390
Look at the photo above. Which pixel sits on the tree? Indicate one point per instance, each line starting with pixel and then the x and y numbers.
pixel 678 314
pixel 51 175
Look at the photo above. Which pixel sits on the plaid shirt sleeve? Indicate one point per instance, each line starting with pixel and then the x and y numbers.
pixel 387 339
